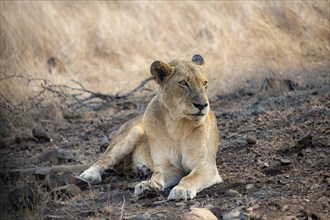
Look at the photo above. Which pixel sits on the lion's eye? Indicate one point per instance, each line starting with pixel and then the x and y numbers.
pixel 205 83
pixel 183 83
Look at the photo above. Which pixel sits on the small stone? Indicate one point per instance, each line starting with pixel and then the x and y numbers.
pixel 285 208
pixel 40 134
pixel 63 154
pixel 251 140
pixel 41 172
pixel 291 217
pixel 233 215
pixel 161 215
pixel 199 214
pixel 285 161
pixel 196 205
pixel 180 204
pixel 249 186
pixel 231 193
pixel 146 215
pixel 53 217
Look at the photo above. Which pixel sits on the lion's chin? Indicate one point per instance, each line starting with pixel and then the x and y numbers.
pixel 197 117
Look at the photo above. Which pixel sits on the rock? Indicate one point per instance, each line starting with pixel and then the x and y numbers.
pixel 235 215
pixel 285 208
pixel 199 214
pixel 64 155
pixel 259 194
pixel 180 204
pixel 249 186
pixel 41 172
pixel 231 193
pixel 56 156
pixel 251 140
pixel 146 215
pixel 285 161
pixel 291 217
pixel 195 205
pixel 161 215
pixel 40 134
pixel 53 217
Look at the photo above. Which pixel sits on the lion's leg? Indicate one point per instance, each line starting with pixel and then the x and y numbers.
pixel 113 155
pixel 202 176
pixel 162 177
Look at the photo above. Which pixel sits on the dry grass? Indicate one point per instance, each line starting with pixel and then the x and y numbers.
pixel 103 44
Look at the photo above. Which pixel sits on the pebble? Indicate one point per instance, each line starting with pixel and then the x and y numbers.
pixel 180 204
pixel 285 208
pixel 285 161
pixel 146 215
pixel 40 134
pixel 291 217
pixel 249 186
pixel 251 140
pixel 234 215
pixel 231 193
pixel 199 214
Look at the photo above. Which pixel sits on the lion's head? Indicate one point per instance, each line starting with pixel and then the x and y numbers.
pixel 183 87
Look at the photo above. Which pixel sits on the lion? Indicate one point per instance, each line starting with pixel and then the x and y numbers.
pixel 176 138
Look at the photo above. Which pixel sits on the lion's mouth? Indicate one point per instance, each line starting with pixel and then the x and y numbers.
pixel 198 114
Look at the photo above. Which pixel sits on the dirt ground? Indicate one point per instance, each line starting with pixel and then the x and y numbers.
pixel 273 157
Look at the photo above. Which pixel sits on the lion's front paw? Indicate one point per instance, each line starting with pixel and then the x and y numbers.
pixel 148 186
pixel 180 193
pixel 91 175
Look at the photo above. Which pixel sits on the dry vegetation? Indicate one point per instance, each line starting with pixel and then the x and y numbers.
pixel 102 44
pixel 107 47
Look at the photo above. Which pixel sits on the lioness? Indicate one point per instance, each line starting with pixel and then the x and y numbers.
pixel 176 138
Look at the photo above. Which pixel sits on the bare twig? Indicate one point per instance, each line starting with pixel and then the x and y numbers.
pixel 142 84
pixel 75 96
pixel 122 209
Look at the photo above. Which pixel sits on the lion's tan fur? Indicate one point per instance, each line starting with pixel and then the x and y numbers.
pixel 176 138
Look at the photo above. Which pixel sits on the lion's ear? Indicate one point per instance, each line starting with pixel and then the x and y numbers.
pixel 199 60
pixel 160 70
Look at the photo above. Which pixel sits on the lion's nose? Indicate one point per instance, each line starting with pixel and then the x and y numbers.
pixel 200 106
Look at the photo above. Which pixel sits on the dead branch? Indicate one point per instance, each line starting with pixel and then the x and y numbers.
pixel 56 169
pixel 74 96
